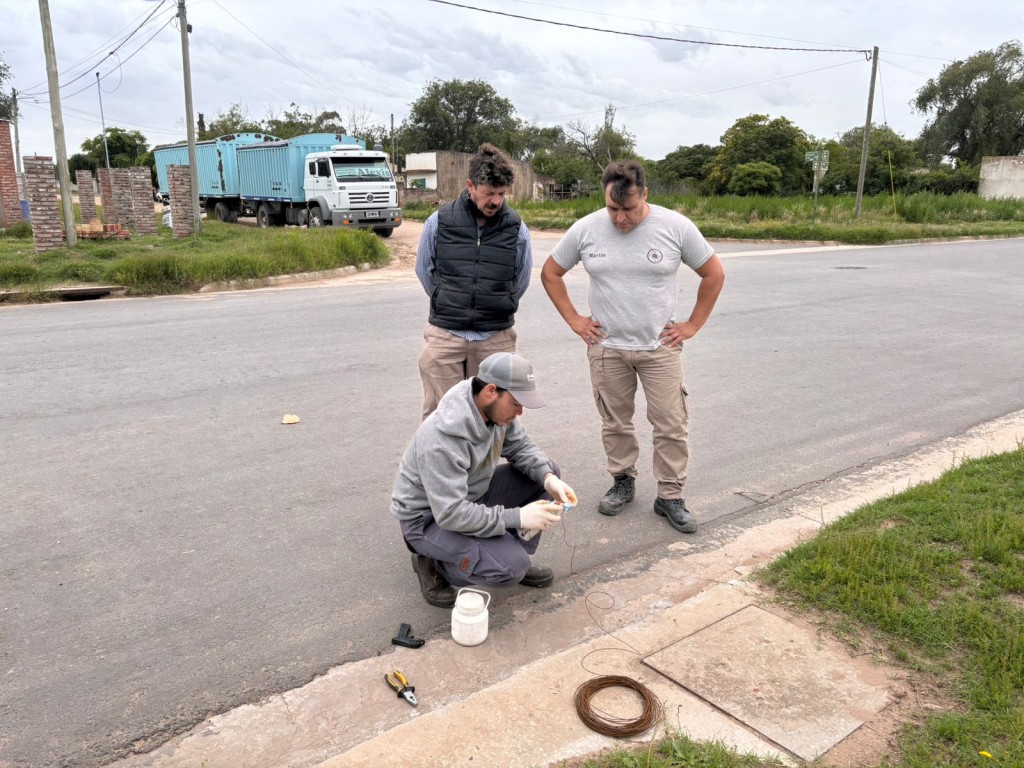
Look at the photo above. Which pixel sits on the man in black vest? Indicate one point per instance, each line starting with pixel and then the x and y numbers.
pixel 474 261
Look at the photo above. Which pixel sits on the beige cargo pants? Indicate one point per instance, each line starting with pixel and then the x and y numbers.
pixel 614 375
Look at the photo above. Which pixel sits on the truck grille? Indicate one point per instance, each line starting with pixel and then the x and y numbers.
pixel 368 198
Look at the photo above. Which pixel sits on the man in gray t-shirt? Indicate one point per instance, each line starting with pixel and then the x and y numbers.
pixel 632 252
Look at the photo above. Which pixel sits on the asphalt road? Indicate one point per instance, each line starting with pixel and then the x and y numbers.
pixel 169 549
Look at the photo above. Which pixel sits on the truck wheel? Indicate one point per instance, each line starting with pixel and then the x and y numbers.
pixel 221 212
pixel 385 232
pixel 316 216
pixel 263 218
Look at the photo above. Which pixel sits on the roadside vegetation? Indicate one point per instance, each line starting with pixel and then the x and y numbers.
pixel 933 578
pixel 883 219
pixel 161 264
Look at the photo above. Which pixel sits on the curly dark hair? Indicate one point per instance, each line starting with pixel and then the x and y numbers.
pixel 490 166
pixel 624 176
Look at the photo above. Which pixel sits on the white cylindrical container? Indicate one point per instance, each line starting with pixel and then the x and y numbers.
pixel 469 616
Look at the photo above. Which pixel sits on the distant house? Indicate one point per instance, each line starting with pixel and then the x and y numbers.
pixel 441 176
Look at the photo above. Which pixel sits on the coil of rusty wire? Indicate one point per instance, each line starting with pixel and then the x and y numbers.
pixel 616 727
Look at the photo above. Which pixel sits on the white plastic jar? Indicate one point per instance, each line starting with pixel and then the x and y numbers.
pixel 469 616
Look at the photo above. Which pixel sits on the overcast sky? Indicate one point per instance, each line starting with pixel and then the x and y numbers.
pixel 375 59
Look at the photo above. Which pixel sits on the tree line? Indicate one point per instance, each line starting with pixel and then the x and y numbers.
pixel 973 108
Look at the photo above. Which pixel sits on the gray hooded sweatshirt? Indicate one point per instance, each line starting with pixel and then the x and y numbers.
pixel 450 462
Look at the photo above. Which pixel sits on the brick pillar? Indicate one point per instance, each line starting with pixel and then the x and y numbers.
pixel 86 196
pixel 41 191
pixel 179 178
pixel 106 196
pixel 123 211
pixel 10 205
pixel 142 199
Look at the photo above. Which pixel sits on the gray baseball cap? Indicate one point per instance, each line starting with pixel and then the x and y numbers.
pixel 511 372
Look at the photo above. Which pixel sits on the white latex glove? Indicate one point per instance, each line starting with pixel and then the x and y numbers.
pixel 539 515
pixel 559 489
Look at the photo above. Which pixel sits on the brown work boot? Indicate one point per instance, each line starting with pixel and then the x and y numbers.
pixel 436 590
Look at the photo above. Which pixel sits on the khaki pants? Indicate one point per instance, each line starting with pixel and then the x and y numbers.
pixel 614 374
pixel 447 359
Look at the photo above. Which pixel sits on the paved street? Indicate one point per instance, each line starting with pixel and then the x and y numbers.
pixel 169 549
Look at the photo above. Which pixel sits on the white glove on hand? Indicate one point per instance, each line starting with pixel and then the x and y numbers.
pixel 559 489
pixel 537 516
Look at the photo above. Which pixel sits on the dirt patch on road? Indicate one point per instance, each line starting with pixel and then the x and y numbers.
pixel 403 242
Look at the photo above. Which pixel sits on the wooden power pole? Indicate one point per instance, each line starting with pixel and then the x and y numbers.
pixel 60 149
pixel 197 220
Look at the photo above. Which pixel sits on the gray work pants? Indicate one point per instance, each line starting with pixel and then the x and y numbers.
pixel 498 561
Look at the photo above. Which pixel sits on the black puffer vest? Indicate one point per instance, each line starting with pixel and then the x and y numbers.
pixel 475 276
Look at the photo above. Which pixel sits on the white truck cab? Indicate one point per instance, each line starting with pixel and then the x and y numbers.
pixel 351 187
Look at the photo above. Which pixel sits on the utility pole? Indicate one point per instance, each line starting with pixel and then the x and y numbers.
pixel 186 67
pixel 63 175
pixel 867 132
pixel 103 122
pixel 17 141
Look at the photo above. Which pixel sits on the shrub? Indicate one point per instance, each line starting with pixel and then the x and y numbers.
pixel 17 273
pixel 758 178
pixel 20 230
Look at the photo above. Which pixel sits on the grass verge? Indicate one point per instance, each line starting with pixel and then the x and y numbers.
pixel 935 575
pixel 164 264
pixel 883 219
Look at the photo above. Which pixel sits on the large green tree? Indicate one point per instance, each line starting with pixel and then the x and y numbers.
pixel 976 107
pixel 126 148
pixel 235 119
pixel 603 143
pixel 6 99
pixel 888 152
pixel 757 138
pixel 294 122
pixel 458 115
pixel 686 165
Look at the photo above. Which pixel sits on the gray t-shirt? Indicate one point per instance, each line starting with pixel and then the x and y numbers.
pixel 633 275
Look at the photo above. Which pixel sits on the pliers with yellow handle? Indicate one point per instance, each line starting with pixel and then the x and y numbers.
pixel 397 682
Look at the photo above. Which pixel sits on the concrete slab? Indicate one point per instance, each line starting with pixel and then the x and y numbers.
pixel 800 690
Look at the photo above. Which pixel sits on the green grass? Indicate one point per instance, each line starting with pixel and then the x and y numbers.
pixel 919 216
pixel 164 264
pixel 936 576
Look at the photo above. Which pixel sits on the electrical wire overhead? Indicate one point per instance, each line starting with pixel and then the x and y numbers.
pixel 650 37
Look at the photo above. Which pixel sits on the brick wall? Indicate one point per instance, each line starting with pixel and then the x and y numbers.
pixel 41 191
pixel 10 207
pixel 142 200
pixel 86 195
pixel 106 196
pixel 121 188
pixel 179 179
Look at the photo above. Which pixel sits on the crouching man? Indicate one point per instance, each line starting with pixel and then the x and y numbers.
pixel 462 513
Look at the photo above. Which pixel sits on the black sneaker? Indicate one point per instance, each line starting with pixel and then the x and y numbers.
pixel 679 517
pixel 618 495
pixel 435 588
pixel 538 576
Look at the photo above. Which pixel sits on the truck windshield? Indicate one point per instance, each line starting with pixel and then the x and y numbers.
pixel 361 169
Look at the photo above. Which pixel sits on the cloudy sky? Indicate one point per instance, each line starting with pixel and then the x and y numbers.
pixel 670 86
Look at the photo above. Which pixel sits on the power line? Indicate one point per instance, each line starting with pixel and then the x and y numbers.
pixel 90 117
pixel 668 23
pixel 651 37
pixel 706 93
pixel 318 80
pixel 122 63
pixel 89 70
